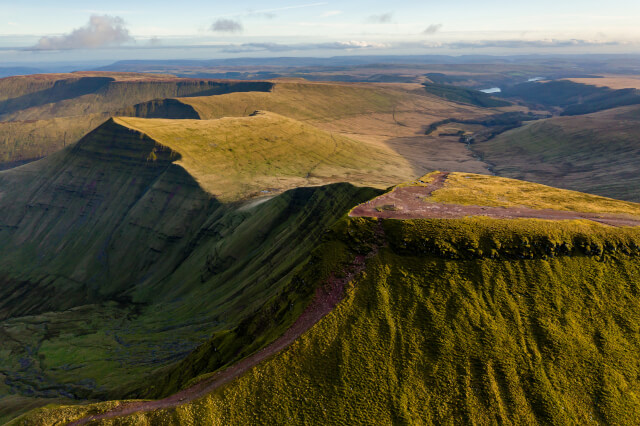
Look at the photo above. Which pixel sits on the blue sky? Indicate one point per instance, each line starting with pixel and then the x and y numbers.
pixel 72 29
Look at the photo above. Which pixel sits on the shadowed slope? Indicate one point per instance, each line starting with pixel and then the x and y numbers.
pixel 41 114
pixel 449 321
pixel 111 248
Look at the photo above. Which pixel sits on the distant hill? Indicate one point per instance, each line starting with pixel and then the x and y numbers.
pixel 573 98
pixel 40 114
pixel 467 96
pixel 11 71
pixel 597 153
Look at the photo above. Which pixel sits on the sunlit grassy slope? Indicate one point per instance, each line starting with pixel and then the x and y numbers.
pixel 237 157
pixel 326 102
pixel 475 320
pixel 597 153
pixel 47 112
pixel 483 190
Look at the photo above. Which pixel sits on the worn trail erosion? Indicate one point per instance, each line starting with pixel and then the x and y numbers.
pixel 325 299
pixel 409 203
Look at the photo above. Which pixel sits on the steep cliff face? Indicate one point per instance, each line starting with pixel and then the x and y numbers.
pixel 463 320
pixel 112 248
pixel 69 211
pixel 160 108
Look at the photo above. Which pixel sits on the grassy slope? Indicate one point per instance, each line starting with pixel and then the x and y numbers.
pixel 47 112
pixel 303 101
pixel 238 157
pixel 595 153
pixel 136 265
pixel 453 321
pixel 424 338
pixel 482 190
pixel 326 102
pixel 383 115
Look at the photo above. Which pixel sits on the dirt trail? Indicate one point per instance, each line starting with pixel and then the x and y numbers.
pixel 325 299
pixel 408 203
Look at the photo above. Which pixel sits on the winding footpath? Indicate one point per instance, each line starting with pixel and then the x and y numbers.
pixel 324 301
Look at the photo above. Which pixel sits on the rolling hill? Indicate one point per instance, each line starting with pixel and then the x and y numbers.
pixel 54 112
pixel 238 157
pixel 571 97
pixel 389 115
pixel 596 153
pixel 518 310
pixel 41 114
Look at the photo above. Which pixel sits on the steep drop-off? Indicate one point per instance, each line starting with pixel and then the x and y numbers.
pixel 473 320
pixel 41 114
pixel 111 248
pixel 240 157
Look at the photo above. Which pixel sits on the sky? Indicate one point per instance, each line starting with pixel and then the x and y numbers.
pixel 73 30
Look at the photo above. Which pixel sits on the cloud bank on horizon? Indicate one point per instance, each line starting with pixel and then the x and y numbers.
pixel 315 28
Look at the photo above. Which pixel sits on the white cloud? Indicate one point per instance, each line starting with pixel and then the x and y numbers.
pixel 384 18
pixel 101 31
pixel 224 25
pixel 432 29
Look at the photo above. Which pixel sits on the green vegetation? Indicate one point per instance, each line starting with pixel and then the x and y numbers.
pixel 573 98
pixel 467 96
pixel 41 114
pixel 302 101
pixel 445 333
pixel 137 266
pixel 483 190
pixel 237 157
pixel 495 124
pixel 155 252
pixel 596 153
